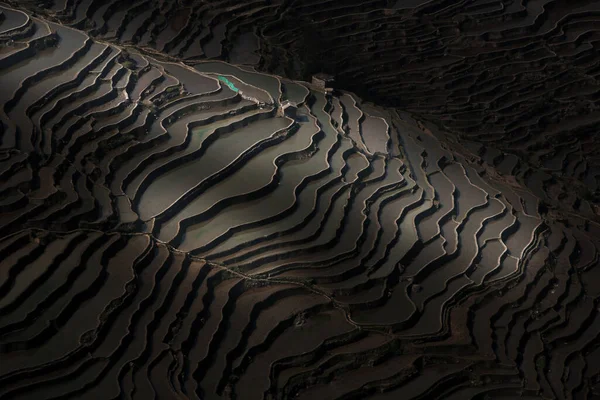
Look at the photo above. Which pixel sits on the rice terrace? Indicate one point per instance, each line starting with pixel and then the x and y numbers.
pixel 299 199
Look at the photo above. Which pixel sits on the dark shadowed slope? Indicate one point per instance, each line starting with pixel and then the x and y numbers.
pixel 168 232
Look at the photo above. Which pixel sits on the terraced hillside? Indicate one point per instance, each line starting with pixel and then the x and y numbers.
pixel 214 232
pixel 517 80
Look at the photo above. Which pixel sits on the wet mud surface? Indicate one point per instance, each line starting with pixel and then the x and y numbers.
pixel 168 230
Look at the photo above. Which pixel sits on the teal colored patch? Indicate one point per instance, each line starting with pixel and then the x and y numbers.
pixel 228 83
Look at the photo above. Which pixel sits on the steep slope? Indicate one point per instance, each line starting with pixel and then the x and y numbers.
pixel 515 80
pixel 173 232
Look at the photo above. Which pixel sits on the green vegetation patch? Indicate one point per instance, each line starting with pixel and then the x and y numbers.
pixel 228 83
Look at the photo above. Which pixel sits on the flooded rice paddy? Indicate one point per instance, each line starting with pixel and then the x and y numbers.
pixel 166 230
